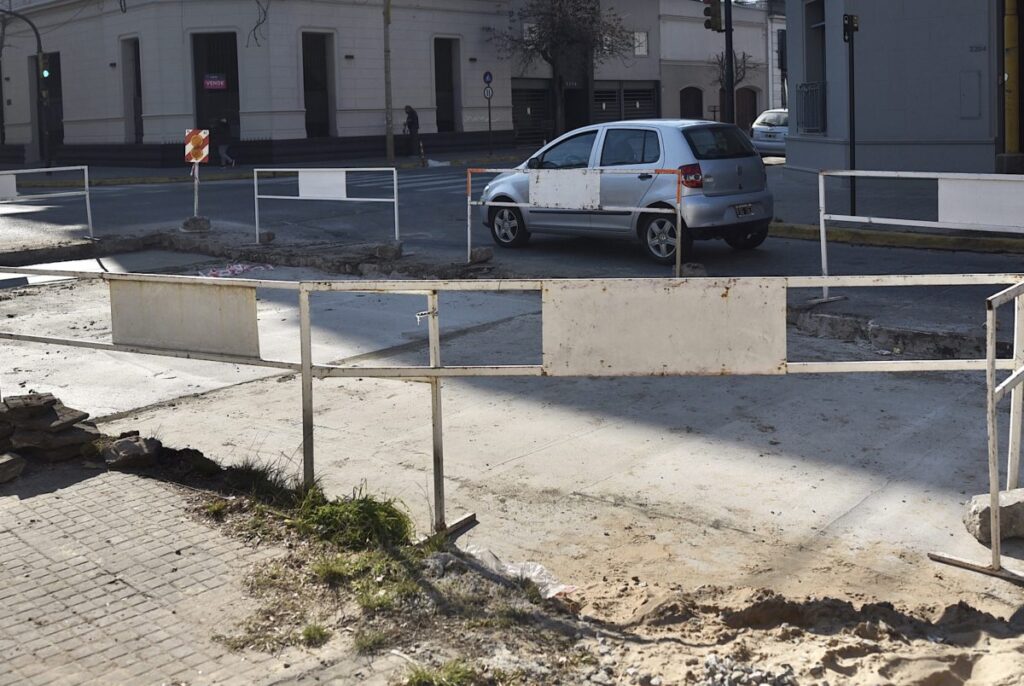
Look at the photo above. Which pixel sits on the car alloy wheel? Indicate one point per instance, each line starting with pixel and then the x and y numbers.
pixel 506 225
pixel 661 238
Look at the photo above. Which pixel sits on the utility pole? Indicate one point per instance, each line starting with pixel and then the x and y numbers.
pixel 729 109
pixel 389 120
pixel 42 96
pixel 851 24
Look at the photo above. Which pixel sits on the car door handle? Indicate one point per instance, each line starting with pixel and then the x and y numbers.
pixel 646 177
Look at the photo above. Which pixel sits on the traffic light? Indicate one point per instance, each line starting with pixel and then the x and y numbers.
pixel 713 12
pixel 44 65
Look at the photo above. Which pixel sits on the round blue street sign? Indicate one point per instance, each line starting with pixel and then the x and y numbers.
pixel 488 77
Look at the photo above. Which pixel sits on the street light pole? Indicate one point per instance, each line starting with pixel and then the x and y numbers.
pixel 389 122
pixel 851 24
pixel 42 99
pixel 729 106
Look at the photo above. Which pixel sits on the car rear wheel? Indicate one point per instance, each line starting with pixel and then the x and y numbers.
pixel 659 237
pixel 747 240
pixel 507 227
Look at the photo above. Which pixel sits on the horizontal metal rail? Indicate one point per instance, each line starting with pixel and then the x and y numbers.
pixel 144 350
pixel 921 175
pixel 155 278
pixel 1003 297
pixel 884 221
pixel 868 366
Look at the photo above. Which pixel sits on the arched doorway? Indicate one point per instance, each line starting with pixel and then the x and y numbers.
pixel 746 107
pixel 691 103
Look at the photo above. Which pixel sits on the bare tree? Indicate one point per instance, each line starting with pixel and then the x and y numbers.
pixel 570 35
pixel 742 64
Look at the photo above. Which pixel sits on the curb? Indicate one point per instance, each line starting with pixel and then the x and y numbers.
pixel 900 239
pixel 244 175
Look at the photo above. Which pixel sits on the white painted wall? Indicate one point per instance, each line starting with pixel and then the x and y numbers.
pixel 88 36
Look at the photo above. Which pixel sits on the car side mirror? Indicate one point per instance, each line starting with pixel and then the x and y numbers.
pixel 533 163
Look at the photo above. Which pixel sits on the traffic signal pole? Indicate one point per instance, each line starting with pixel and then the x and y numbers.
pixel 729 107
pixel 42 101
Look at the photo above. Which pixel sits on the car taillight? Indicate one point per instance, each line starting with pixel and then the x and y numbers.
pixel 692 177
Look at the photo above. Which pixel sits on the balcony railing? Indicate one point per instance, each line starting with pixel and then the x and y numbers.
pixel 810 107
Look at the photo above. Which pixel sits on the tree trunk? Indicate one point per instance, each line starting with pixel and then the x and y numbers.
pixel 558 97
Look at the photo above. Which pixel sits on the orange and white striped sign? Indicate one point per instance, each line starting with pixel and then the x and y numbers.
pixel 197 146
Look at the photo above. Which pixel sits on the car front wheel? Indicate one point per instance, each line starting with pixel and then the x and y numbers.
pixel 507 227
pixel 659 237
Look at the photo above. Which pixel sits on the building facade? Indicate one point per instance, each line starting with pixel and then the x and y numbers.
pixel 306 70
pixel 304 79
pixel 928 85
pixel 690 74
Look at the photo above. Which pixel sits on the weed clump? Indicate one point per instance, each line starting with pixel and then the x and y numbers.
pixel 371 641
pixel 358 522
pixel 455 673
pixel 315 635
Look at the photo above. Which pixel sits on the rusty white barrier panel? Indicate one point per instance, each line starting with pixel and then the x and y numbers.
pixel 645 327
pixel 571 189
pixel 323 184
pixel 584 333
pixel 988 204
pixel 9 189
pixel 190 317
pixel 967 202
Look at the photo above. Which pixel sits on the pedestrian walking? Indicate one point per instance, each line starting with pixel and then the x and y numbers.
pixel 412 128
pixel 221 135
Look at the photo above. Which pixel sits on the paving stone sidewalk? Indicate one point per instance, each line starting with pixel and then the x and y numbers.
pixel 106 579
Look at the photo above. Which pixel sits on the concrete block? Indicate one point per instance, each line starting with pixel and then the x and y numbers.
pixel 11 466
pixel 977 515
pixel 196 225
pixel 31 405
pixel 482 254
pixel 132 453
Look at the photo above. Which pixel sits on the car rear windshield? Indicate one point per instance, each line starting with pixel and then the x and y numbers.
pixel 718 142
pixel 773 119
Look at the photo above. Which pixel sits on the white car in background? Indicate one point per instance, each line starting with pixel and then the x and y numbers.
pixel 724 187
pixel 768 132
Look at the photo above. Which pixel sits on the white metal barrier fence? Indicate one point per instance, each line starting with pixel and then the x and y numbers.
pixel 590 328
pixel 574 189
pixel 970 202
pixel 9 189
pixel 324 184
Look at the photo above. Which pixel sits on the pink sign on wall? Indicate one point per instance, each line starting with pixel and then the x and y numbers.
pixel 215 82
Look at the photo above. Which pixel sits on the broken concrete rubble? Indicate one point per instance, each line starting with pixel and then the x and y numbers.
pixel 11 466
pixel 133 452
pixel 977 515
pixel 39 427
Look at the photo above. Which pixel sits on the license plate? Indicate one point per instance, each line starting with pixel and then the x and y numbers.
pixel 769 135
pixel 744 210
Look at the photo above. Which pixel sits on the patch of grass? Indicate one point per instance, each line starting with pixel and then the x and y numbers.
pixel 372 596
pixel 455 673
pixel 530 591
pixel 315 635
pixel 265 483
pixel 217 509
pixel 359 522
pixel 333 571
pixel 368 641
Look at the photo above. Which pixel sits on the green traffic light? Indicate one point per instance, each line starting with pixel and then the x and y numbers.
pixel 46 73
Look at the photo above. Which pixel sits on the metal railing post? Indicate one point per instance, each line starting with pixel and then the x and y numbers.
pixel 394 180
pixel 679 224
pixel 821 231
pixel 1016 398
pixel 88 204
pixel 306 351
pixel 469 215
pixel 256 200
pixel 434 332
pixel 993 436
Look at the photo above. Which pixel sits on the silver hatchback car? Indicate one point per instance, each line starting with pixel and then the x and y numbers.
pixel 724 192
